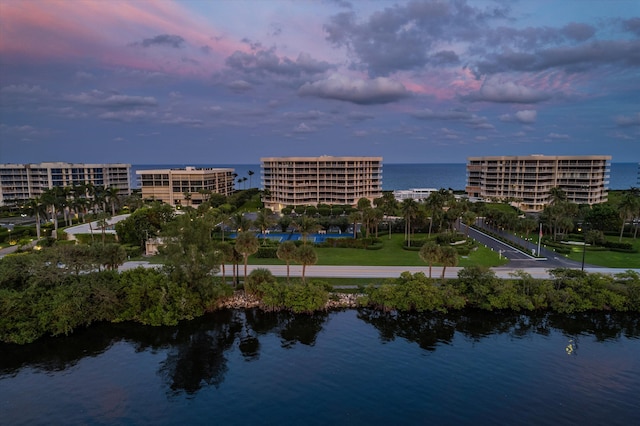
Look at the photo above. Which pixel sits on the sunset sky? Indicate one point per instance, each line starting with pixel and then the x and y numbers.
pixel 228 82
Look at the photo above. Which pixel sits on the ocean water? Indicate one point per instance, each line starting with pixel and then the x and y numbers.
pixel 353 367
pixel 405 176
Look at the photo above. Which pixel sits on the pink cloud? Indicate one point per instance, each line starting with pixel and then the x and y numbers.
pixel 105 31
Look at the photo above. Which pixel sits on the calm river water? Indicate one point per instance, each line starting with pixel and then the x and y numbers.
pixel 347 367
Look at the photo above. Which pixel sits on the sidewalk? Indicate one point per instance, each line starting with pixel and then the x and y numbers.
pixel 331 271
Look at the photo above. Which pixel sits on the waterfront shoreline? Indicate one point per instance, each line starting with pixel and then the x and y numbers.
pixel 242 300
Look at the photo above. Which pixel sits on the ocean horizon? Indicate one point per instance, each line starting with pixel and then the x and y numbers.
pixel 405 175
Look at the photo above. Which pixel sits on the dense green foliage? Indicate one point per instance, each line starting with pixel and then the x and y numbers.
pixel 567 291
pixel 297 297
pixel 59 289
pixel 144 223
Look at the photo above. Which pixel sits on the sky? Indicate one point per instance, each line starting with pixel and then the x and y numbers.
pixel 229 82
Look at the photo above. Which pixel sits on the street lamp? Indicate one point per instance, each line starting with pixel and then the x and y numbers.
pixel 584 242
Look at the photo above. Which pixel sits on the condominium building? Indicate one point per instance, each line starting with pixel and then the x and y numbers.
pixel 296 181
pixel 183 187
pixel 526 181
pixel 20 182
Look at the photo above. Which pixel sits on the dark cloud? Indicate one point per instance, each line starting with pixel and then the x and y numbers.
pixel 507 92
pixel 460 115
pixel 445 57
pixel 253 45
pixel 571 58
pixel 305 115
pixel 632 25
pixel 401 37
pixel 365 92
pixel 169 40
pixel 205 49
pixel 410 36
pixel 24 89
pixel 97 98
pixel 578 32
pixel 264 62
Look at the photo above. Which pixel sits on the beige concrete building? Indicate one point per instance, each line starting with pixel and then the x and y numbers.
pixel 527 180
pixel 296 181
pixel 185 187
pixel 20 182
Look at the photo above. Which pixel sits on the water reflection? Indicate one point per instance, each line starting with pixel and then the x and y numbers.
pixel 429 330
pixel 196 351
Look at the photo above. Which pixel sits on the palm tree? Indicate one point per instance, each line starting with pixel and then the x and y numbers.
pixel 469 217
pixel 306 255
pixel 102 223
pixel 287 252
pixel 250 173
pixel 409 209
pixel 388 204
pixel 557 195
pixel 36 207
pixel 434 202
pixel 112 194
pixel 448 257
pixel 240 222
pixel 263 221
pixel 226 255
pixel 430 253
pixel 246 244
pixel 307 225
pixel 52 198
pixel 627 209
pixel 354 218
pixel 187 197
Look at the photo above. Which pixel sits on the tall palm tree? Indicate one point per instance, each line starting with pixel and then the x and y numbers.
pixel 469 218
pixel 627 209
pixel 226 255
pixel 434 203
pixel 448 257
pixel 36 207
pixel 187 197
pixel 409 209
pixel 250 173
pixel 557 195
pixel 355 217
pixel 306 255
pixel 246 244
pixel 52 198
pixel 307 225
pixel 240 222
pixel 388 204
pixel 112 195
pixel 102 223
pixel 287 252
pixel 430 253
pixel 263 221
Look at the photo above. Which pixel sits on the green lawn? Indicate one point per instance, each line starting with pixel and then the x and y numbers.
pixel 610 259
pixel 391 254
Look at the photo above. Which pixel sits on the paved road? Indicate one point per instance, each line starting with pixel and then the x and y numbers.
pixel 327 271
pixel 519 259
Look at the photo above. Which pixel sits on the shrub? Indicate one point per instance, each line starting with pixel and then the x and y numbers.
pixel 132 250
pixel 616 245
pixel 266 253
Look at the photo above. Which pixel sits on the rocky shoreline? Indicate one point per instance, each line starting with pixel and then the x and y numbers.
pixel 241 300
